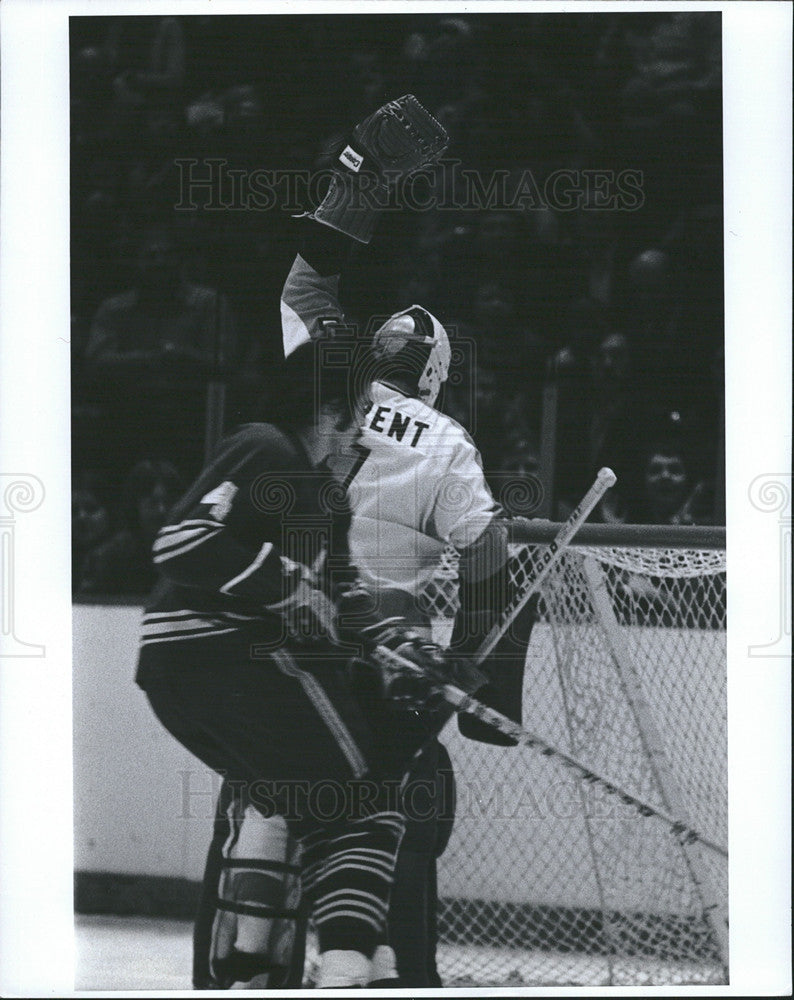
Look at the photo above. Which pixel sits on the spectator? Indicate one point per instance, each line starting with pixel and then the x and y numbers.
pixel 665 70
pixel 611 364
pixel 438 61
pixel 668 494
pixel 583 323
pixel 162 315
pixel 504 339
pixel 516 483
pixel 123 564
pixel 90 519
pixel 477 406
pixel 652 307
pixel 518 94
pixel 151 62
pixel 154 347
pixel 521 456
pixel 598 416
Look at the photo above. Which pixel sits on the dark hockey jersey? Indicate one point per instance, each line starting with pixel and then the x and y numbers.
pixel 257 520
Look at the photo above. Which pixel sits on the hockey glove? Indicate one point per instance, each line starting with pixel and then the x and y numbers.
pixel 422 688
pixel 412 688
pixel 396 140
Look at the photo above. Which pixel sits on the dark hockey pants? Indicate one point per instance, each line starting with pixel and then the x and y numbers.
pixel 297 741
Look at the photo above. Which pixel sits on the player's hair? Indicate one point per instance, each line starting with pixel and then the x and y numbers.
pixel 313 377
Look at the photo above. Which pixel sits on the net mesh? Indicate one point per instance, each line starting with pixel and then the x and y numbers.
pixel 549 880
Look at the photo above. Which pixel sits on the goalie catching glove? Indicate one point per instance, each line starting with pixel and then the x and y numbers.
pixel 396 140
pixel 360 625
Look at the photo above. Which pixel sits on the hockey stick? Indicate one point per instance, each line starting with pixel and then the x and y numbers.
pixel 551 555
pixel 463 702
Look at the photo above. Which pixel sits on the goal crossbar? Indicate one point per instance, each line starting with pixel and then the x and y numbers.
pixel 647 536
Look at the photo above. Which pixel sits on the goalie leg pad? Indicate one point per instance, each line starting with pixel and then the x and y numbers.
pixel 254 930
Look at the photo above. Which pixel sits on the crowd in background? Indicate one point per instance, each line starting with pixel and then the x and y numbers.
pixel 618 308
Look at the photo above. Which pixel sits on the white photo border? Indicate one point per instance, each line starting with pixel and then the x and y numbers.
pixel 36 867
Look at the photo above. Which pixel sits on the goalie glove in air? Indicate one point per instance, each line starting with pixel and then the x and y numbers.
pixel 396 140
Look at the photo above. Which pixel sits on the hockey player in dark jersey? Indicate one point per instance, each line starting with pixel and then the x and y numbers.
pixel 239 663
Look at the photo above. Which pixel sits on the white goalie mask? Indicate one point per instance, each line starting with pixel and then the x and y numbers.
pixel 413 346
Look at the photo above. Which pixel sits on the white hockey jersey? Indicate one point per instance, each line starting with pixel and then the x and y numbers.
pixel 416 486
pixel 415 482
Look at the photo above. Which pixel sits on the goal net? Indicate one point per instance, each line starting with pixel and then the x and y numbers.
pixel 548 879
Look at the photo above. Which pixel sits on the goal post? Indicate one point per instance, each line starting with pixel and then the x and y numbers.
pixel 714 907
pixel 546 881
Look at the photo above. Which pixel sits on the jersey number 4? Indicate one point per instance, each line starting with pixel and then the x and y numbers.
pixel 221 499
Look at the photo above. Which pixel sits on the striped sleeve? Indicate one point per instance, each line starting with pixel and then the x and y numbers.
pixel 203 553
pixel 226 536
